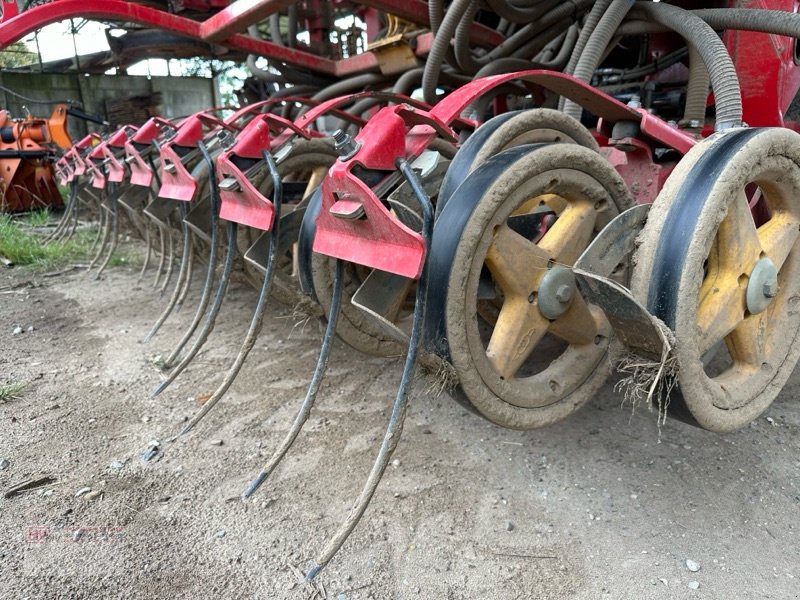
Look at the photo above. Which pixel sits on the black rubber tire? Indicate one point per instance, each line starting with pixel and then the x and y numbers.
pixel 675 260
pixel 534 126
pixel 462 237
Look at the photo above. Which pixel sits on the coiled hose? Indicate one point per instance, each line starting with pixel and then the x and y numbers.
pixel 721 72
pixel 595 46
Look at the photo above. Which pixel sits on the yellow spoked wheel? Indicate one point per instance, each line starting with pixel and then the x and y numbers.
pixel 718 263
pixel 504 307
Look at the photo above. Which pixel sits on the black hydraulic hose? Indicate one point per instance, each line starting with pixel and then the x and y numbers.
pixel 257 320
pixel 275 29
pixel 395 426
pixel 521 12
pixel 721 72
pixel 349 85
pixel 598 41
pixel 537 43
pixel 208 282
pixel 696 90
pixel 778 22
pixel 589 26
pixel 292 26
pixel 182 273
pixel 439 49
pixel 311 394
pixel 435 14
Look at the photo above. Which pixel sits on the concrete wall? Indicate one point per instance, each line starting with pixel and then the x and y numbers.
pixel 180 95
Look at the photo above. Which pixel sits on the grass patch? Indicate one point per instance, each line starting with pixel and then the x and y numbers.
pixel 38 218
pixel 24 248
pixel 10 391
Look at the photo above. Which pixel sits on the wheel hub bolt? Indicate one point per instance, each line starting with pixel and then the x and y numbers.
pixel 564 293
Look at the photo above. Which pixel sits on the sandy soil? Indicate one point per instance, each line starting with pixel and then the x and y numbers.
pixel 590 508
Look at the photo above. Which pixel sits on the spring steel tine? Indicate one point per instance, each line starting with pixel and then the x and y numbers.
pixel 395 427
pixel 187 249
pixel 106 236
pixel 148 251
pixel 189 273
pixel 114 228
pixel 76 207
pixel 100 226
pixel 311 395
pixel 208 283
pixel 170 262
pixel 258 314
pixel 222 286
pixel 66 217
pixel 162 253
pixel 211 317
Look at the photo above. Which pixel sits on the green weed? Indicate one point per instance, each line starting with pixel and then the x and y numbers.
pixel 38 218
pixel 10 391
pixel 23 248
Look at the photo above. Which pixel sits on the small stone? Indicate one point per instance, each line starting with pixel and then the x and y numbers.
pixel 146 419
pixel 77 535
pixel 4 464
pixel 47 493
pixel 93 495
pixel 30 328
pixel 509 526
pixel 692 565
pixel 116 465
pixel 221 533
pixel 341 596
pixel 396 463
pixel 216 442
pixel 82 491
pixel 770 420
pixel 17 330
pixel 693 585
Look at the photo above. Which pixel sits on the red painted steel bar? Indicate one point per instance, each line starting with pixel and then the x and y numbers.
pixel 238 16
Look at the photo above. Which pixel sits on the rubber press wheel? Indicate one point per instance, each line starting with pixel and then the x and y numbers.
pixel 497 134
pixel 516 221
pixel 719 265
pixel 537 125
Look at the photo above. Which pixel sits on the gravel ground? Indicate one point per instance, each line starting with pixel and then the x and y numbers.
pixel 600 505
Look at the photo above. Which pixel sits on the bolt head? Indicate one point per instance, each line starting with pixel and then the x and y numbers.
pixel 564 293
pixel 770 290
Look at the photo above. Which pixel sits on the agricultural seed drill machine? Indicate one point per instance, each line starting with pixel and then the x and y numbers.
pixel 582 186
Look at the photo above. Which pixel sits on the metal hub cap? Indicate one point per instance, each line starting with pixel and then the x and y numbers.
pixel 762 286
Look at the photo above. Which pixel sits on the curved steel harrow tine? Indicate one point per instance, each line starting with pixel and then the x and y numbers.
pixel 148 249
pixel 112 247
pixel 311 394
pixel 257 320
pixel 109 221
pixel 187 282
pixel 222 286
pixel 65 219
pixel 162 253
pixel 395 426
pixel 170 262
pixel 182 274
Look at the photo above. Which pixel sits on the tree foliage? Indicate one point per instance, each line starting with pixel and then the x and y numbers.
pixel 16 54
